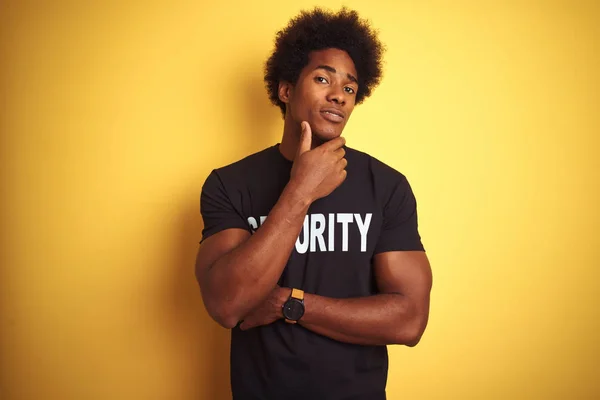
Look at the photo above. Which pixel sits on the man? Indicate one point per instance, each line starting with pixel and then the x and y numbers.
pixel 310 250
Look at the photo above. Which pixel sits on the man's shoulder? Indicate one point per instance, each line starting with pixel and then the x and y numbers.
pixel 248 162
pixel 376 166
pixel 251 168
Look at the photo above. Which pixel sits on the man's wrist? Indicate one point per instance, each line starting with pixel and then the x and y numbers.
pixel 283 294
pixel 296 195
pixel 293 308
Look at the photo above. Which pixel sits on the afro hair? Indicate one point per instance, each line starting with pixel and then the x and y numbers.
pixel 317 30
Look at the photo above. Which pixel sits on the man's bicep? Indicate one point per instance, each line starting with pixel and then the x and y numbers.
pixel 405 272
pixel 216 246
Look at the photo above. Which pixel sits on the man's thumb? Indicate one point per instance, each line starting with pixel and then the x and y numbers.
pixel 305 138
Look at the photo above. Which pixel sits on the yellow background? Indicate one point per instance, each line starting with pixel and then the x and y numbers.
pixel 112 114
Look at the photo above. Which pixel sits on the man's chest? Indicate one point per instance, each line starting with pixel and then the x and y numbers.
pixel 349 220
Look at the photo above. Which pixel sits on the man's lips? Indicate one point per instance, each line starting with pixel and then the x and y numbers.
pixel 333 114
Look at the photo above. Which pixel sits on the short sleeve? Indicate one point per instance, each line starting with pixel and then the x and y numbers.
pixel 400 223
pixel 216 208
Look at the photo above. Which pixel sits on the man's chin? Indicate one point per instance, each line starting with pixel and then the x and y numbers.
pixel 327 134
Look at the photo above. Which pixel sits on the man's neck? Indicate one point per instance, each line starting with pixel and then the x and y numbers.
pixel 291 138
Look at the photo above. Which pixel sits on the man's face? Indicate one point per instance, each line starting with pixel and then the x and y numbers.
pixel 325 93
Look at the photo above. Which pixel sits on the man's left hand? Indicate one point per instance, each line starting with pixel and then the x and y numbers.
pixel 269 311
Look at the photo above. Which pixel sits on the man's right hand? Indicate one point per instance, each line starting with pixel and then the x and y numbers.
pixel 317 172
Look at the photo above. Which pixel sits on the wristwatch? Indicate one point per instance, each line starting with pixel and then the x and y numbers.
pixel 293 308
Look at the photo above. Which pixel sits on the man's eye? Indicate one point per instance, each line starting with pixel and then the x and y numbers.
pixel 349 90
pixel 321 79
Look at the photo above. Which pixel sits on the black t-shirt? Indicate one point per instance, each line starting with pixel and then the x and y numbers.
pixel 372 211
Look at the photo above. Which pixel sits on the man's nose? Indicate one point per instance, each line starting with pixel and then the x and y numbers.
pixel 336 95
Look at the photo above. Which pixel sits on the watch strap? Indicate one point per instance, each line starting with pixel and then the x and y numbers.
pixel 297 294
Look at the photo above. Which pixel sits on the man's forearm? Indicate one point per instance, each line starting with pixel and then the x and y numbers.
pixel 241 279
pixel 374 320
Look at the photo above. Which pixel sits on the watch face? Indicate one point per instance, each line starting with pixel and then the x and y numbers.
pixel 293 309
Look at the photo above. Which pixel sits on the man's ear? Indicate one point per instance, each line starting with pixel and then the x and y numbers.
pixel 285 91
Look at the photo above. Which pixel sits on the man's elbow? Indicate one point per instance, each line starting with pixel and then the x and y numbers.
pixel 221 311
pixel 227 322
pixel 413 340
pixel 410 334
pixel 223 316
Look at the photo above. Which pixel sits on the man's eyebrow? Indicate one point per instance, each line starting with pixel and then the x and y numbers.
pixel 331 69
